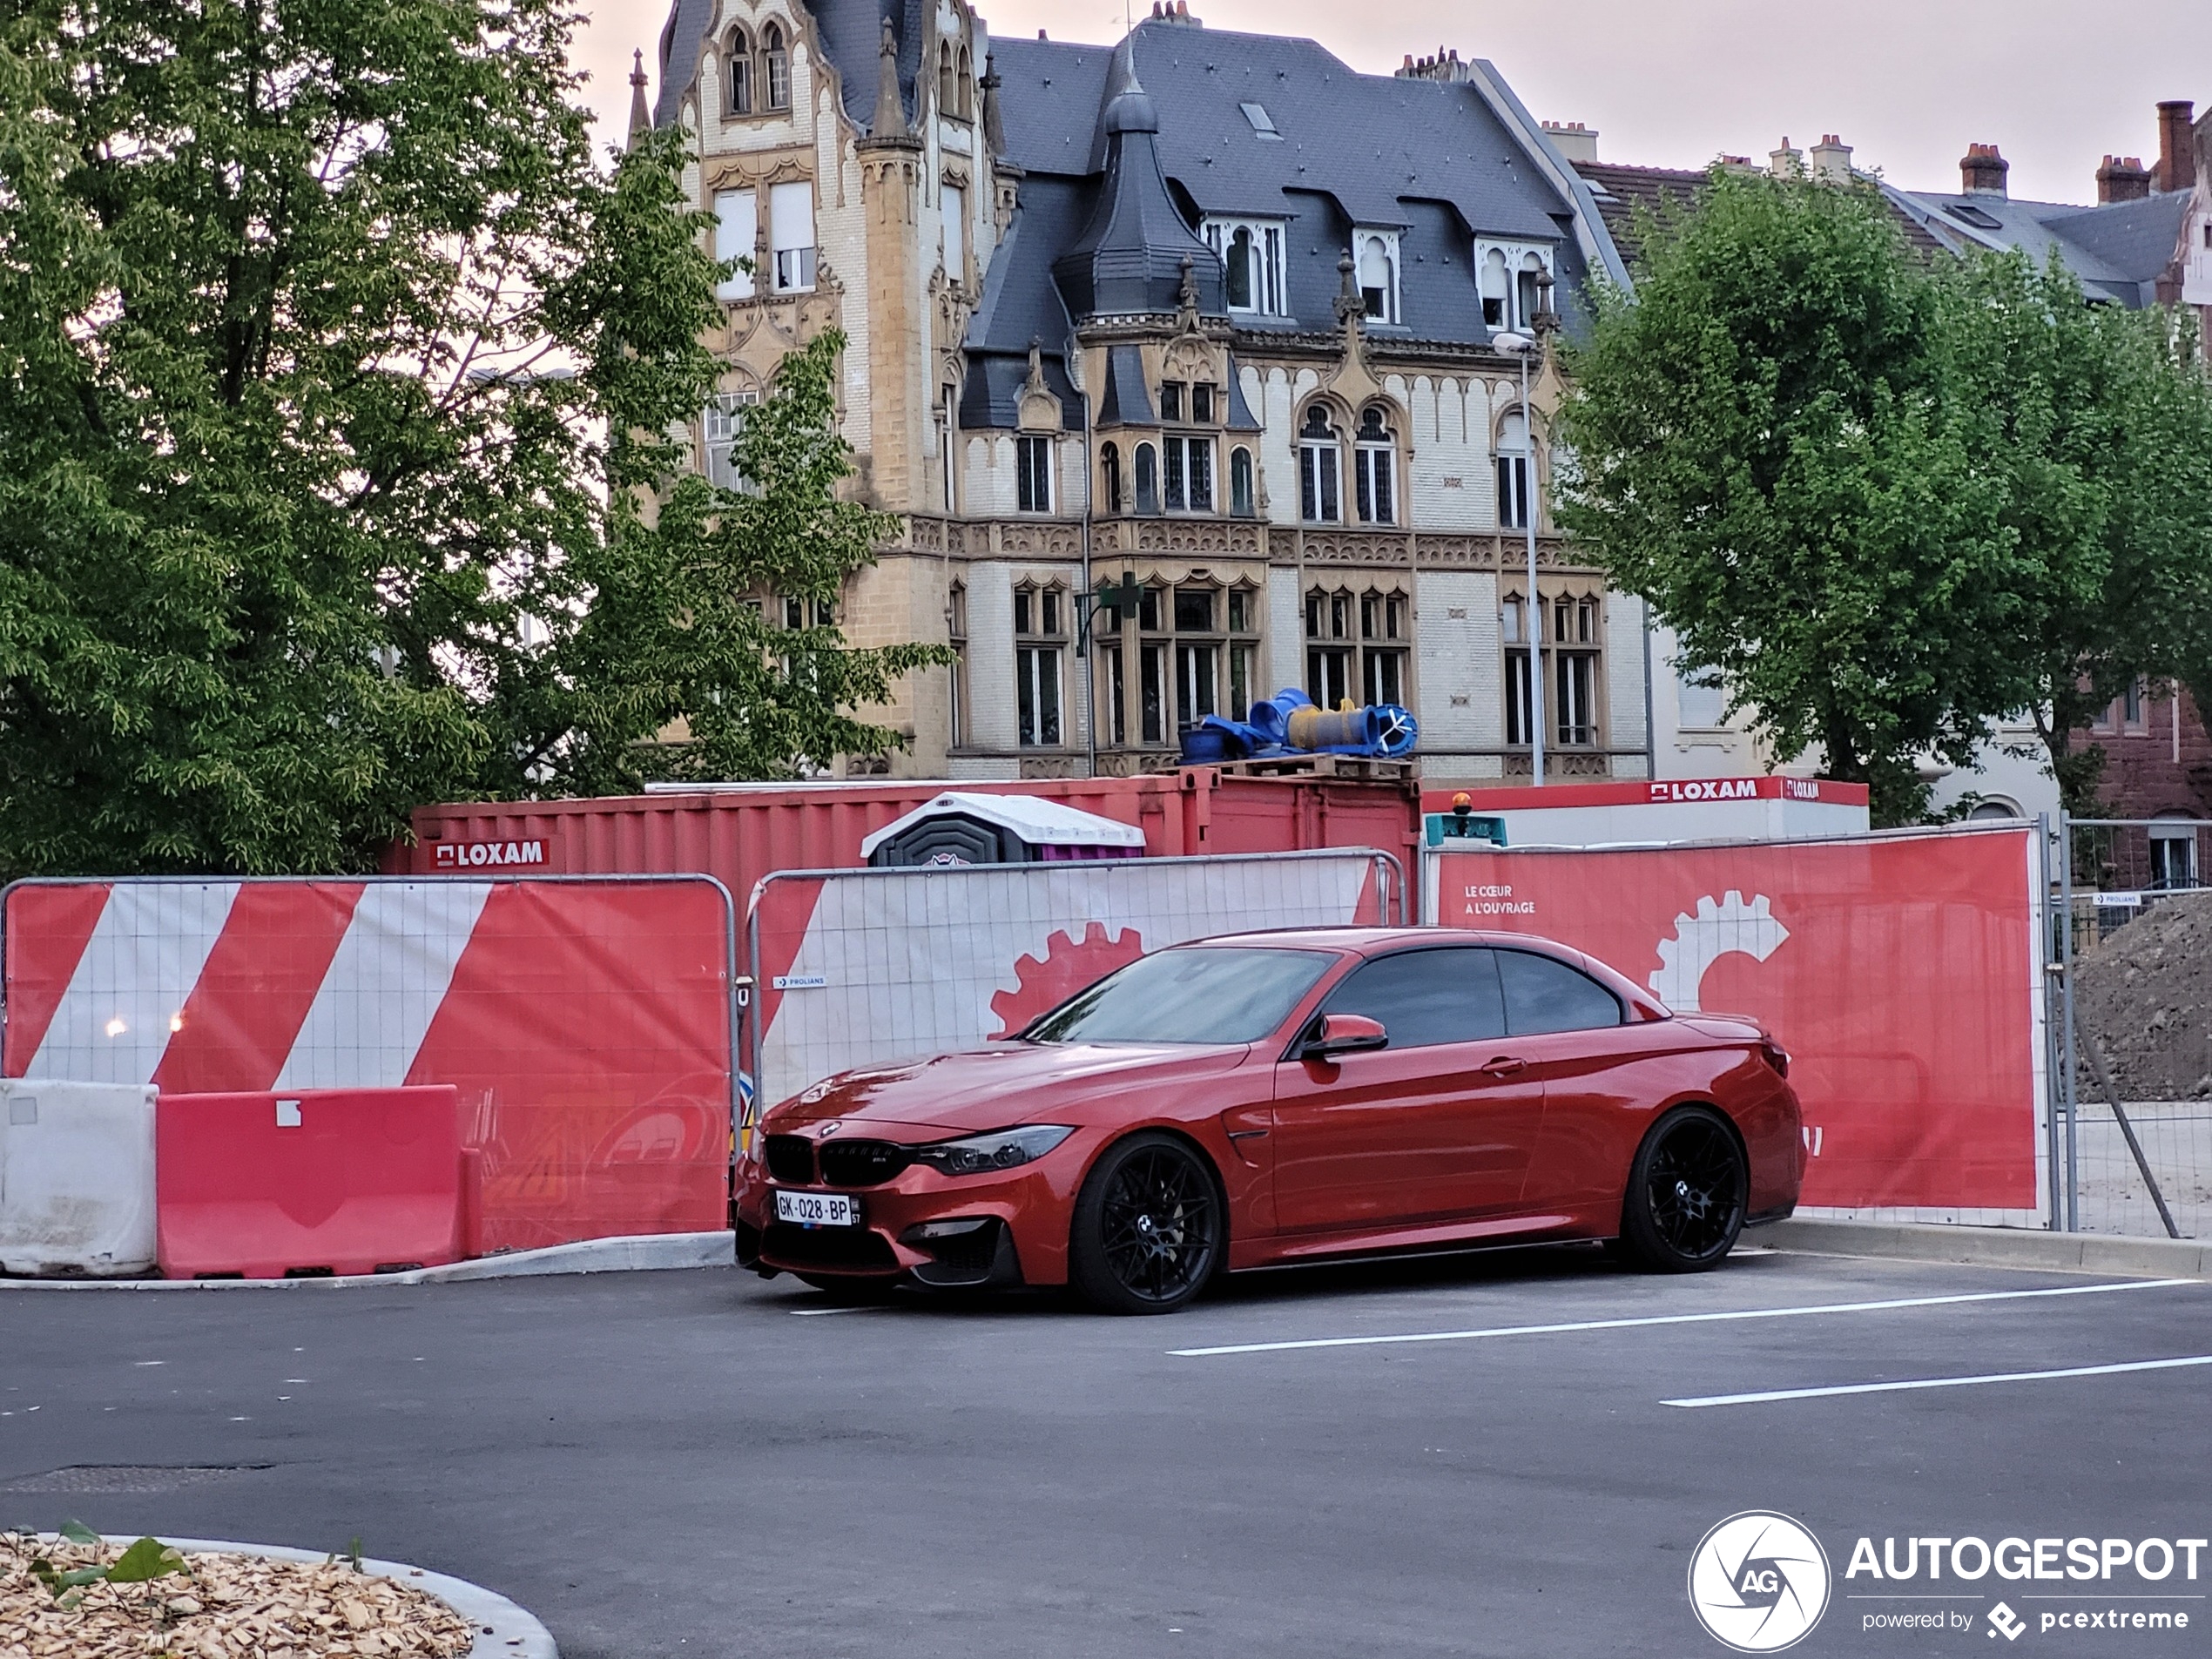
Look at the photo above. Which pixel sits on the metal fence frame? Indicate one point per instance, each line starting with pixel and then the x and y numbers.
pixel 2062 844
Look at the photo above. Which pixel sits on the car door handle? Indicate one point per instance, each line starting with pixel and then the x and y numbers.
pixel 1505 1065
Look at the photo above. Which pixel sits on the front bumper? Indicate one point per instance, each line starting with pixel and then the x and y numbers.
pixel 944 1231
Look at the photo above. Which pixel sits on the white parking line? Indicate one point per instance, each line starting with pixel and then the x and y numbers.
pixel 816 1313
pixel 1941 1382
pixel 1680 1318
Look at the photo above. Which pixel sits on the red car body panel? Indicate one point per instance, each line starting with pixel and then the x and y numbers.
pixel 1467 1142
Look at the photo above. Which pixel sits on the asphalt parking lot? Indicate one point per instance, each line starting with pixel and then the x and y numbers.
pixel 702 1463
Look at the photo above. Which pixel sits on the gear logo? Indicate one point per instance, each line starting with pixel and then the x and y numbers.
pixel 1720 927
pixel 1068 965
pixel 1758 1583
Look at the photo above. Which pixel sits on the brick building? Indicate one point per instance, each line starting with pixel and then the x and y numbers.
pixel 1210 311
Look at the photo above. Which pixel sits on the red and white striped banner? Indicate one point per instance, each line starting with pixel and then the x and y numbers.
pixel 586 1024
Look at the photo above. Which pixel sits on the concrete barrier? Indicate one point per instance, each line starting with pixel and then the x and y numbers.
pixel 77 1188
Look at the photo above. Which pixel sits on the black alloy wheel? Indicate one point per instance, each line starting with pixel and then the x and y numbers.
pixel 1686 1194
pixel 1149 1229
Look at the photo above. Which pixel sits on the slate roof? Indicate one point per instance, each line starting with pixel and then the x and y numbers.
pixel 852 36
pixel 2118 250
pixel 1663 191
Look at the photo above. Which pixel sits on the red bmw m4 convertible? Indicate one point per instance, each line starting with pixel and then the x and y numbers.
pixel 1267 1098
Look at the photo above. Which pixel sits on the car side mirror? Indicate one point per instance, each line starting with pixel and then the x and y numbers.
pixel 1345 1033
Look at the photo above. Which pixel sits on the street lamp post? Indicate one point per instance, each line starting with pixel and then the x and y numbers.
pixel 1524 346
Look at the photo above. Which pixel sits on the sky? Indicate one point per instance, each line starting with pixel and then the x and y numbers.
pixel 2056 85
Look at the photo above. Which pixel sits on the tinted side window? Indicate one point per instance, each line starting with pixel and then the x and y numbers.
pixel 1543 993
pixel 1427 996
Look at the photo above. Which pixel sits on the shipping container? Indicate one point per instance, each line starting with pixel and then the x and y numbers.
pixel 739 832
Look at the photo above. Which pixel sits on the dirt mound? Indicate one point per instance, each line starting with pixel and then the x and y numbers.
pixel 2146 994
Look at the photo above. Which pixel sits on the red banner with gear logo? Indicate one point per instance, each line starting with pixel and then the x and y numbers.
pixel 1902 974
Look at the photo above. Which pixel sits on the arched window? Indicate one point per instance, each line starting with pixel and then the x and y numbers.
pixel 1375 468
pixel 1497 290
pixel 1377 280
pixel 1148 479
pixel 1514 497
pixel 739 101
pixel 775 67
pixel 1109 469
pixel 1529 293
pixel 1240 483
pixel 965 82
pixel 1240 268
pixel 947 88
pixel 1318 461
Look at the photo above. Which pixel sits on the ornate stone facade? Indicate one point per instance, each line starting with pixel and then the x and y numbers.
pixel 1268 414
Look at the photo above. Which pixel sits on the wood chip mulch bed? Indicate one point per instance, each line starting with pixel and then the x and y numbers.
pixel 224 1607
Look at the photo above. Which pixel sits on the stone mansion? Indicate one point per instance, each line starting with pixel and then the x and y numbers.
pixel 1208 319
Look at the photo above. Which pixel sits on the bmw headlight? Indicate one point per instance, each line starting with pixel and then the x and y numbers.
pixel 984 1154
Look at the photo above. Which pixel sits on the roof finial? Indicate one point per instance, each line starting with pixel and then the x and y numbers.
pixel 641 118
pixel 890 120
pixel 993 123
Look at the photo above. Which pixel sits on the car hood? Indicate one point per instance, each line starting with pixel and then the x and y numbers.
pixel 997 1087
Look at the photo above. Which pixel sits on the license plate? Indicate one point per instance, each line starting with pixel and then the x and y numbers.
pixel 818 1209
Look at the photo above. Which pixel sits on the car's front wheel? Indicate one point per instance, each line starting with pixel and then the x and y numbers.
pixel 1151 1229
pixel 1686 1194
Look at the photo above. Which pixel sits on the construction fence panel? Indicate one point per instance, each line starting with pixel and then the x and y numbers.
pixel 858 967
pixel 1904 972
pixel 2135 1140
pixel 588 1024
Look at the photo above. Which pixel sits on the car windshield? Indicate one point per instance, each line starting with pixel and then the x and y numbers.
pixel 1205 994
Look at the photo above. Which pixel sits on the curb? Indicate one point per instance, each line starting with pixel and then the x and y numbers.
pixel 1994 1247
pixel 637 1253
pixel 503 1630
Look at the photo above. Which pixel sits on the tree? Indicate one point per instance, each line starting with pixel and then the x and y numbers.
pixel 1765 445
pixel 341 403
pixel 2095 424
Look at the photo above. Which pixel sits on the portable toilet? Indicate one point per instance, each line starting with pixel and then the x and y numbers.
pixel 962 826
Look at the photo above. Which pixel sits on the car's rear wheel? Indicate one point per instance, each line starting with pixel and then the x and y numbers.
pixel 1150 1227
pixel 1686 1194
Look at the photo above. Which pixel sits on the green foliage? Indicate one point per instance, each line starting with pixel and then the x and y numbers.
pixel 147 1559
pixel 337 381
pixel 1892 501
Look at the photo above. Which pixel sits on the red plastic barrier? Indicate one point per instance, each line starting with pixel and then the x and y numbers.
pixel 336 1180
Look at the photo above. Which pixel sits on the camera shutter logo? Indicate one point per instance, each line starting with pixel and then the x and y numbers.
pixel 1758 1582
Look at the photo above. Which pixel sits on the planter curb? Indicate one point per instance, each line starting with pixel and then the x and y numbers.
pixel 641 1252
pixel 1992 1246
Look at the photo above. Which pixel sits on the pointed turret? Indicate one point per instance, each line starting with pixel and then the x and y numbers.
pixel 1131 257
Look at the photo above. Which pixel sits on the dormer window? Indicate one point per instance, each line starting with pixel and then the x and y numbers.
pixel 1170 399
pixel 1510 277
pixel 1375 257
pixel 1251 264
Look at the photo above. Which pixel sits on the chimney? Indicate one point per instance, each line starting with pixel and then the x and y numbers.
pixel 1786 162
pixel 2176 152
pixel 1981 173
pixel 2122 181
pixel 1831 159
pixel 1574 142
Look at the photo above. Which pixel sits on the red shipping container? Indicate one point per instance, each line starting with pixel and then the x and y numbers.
pixel 340 1181
pixel 740 833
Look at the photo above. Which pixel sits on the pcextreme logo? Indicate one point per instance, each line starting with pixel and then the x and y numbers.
pixel 1759 1582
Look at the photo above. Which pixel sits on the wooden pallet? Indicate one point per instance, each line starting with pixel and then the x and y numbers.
pixel 1351 768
